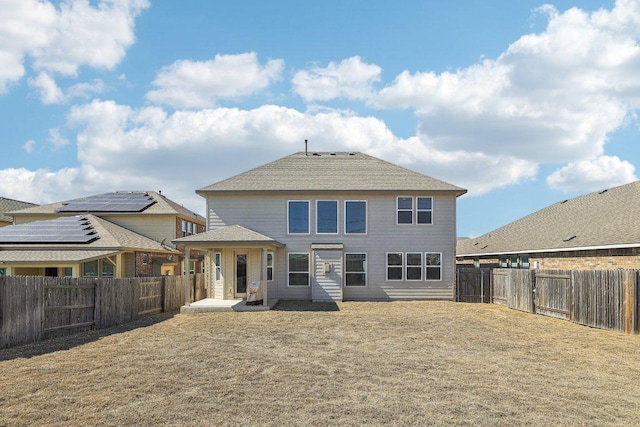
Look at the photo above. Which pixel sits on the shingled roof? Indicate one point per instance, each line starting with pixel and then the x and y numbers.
pixel 339 171
pixel 9 205
pixel 599 220
pixel 161 206
pixel 111 238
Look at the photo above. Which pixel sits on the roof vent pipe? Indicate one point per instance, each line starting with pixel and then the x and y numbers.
pixel 306 143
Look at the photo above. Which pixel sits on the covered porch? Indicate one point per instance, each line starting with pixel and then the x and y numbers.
pixel 238 269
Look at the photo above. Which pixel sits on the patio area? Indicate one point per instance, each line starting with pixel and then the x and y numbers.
pixel 213 305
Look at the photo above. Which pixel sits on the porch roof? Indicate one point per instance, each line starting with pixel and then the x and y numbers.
pixel 31 256
pixel 231 235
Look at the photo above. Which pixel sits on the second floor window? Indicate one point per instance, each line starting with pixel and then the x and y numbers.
pixel 327 217
pixel 355 217
pixel 298 217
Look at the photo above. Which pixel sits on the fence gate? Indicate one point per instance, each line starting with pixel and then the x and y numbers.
pixel 473 285
pixel 501 287
pixel 553 295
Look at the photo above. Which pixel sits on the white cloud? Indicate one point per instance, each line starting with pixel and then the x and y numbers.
pixel 57 140
pixel 603 172
pixel 351 78
pixel 29 145
pixel 47 89
pixel 193 84
pixel 550 97
pixel 60 40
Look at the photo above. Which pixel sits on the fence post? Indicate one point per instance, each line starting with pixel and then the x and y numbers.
pixel 163 291
pixel 629 301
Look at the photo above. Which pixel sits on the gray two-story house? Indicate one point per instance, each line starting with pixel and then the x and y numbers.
pixel 329 227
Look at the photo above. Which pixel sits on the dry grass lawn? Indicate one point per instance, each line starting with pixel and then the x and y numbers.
pixel 400 363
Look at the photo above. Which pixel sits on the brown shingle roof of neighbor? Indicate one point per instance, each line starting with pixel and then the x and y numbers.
pixel 9 205
pixel 162 206
pixel 339 171
pixel 228 234
pixel 111 237
pixel 601 219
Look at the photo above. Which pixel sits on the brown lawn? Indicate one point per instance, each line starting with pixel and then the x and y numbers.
pixel 400 363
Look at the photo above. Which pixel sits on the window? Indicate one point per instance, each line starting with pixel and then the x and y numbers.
pixel 192 267
pixel 503 261
pixel 269 266
pixel 355 269
pixel 91 269
pixel 189 228
pixel 414 266
pixel 217 259
pixel 298 217
pixel 355 217
pixel 524 261
pixel 68 272
pixel 299 269
pixel 184 228
pixel 107 268
pixel 394 266
pixel 327 217
pixel 433 266
pixel 145 258
pixel 405 210
pixel 424 210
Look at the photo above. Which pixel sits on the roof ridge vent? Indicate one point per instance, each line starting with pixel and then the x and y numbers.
pixel 569 238
pixel 603 191
pixel 564 201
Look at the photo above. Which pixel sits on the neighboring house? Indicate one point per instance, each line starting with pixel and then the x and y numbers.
pixel 330 226
pixel 80 245
pixel 147 213
pixel 8 205
pixel 595 231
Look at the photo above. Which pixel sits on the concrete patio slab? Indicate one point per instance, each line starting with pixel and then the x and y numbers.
pixel 208 305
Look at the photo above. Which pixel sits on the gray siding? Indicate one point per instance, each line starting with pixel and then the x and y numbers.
pixel 267 214
pixel 327 285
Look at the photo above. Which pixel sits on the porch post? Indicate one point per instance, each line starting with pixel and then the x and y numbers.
pixel 265 284
pixel 187 278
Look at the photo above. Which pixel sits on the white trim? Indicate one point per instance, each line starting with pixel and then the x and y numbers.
pixel 366 218
pixel 217 268
pixel 272 266
pixel 426 267
pixel 308 269
pixel 401 266
pixel 366 268
pixel 398 210
pixel 424 210
pixel 407 266
pixel 556 250
pixel 337 217
pixel 308 202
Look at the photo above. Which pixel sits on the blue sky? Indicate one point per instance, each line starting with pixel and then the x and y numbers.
pixel 524 103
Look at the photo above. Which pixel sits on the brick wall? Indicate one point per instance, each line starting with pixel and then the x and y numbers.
pixel 605 259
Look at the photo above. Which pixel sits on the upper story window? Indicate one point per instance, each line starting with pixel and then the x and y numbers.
pixel 424 210
pixel 355 217
pixel 298 217
pixel 184 228
pixel 405 210
pixel 327 217
pixel 420 212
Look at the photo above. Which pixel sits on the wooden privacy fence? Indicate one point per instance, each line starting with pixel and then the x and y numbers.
pixel 37 308
pixel 606 299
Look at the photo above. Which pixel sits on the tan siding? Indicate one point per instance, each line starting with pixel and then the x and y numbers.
pixel 267 214
pixel 156 227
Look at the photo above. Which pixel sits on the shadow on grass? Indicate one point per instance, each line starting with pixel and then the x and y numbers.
pixel 306 306
pixel 69 341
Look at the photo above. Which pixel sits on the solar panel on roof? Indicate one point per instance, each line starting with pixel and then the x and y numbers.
pixel 110 202
pixel 60 230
